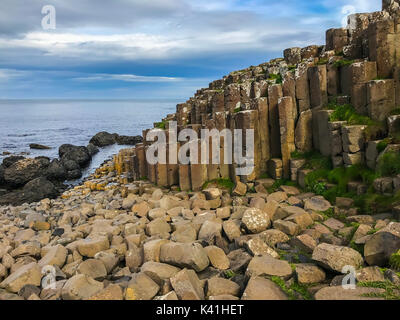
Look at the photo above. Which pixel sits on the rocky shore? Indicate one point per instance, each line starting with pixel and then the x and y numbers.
pixel 25 180
pixel 107 240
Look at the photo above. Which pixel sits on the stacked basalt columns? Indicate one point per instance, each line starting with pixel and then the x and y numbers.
pixel 285 102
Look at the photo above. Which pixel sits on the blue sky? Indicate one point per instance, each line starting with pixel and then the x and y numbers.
pixel 158 49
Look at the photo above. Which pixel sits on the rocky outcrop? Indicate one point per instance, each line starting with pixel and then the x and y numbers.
pixel 103 139
pixel 290 103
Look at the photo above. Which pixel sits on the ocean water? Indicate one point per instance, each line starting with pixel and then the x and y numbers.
pixel 56 122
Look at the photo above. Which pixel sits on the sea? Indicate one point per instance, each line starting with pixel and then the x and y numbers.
pixel 56 122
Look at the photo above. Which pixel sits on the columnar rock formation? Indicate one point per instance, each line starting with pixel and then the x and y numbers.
pixel 286 102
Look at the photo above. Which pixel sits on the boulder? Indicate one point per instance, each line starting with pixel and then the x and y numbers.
pixel 334 257
pixel 308 273
pixel 37 146
pixel 187 285
pixel 255 220
pixel 9 161
pixel 217 257
pixel 79 154
pixel 220 286
pixel 382 245
pixel 80 287
pixel 93 268
pixel 129 140
pixel 90 246
pixel 56 171
pixel 340 293
pixel 185 255
pixel 112 292
pixel 263 289
pixel 92 149
pixel 159 272
pixel 103 139
pixel 25 170
pixel 268 266
pixel 56 256
pixel 141 287
pixel 317 204
pixel 27 274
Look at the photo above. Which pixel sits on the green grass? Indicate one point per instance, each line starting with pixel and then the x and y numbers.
pixel 221 183
pixel 292 67
pixel 264 176
pixel 229 274
pixel 343 63
pixel 277 77
pixel 293 290
pixel 395 112
pixel 381 146
pixel 347 113
pixel 389 164
pixel 314 160
pixel 394 260
pixel 161 125
pixel 322 62
pixel 392 291
pixel 281 182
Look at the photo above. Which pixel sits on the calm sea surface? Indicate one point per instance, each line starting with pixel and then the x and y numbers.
pixel 56 122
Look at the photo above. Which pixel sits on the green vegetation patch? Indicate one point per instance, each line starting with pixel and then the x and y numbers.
pixel 277 77
pixel 220 183
pixel 293 290
pixel 161 125
pixel 389 164
pixel 392 291
pixel 343 63
pixel 394 260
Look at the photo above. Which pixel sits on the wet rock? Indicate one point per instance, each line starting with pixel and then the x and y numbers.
pixel 38 146
pixel 25 170
pixel 129 140
pixel 103 139
pixel 79 154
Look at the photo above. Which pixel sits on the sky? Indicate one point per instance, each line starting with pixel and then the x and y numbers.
pixel 151 49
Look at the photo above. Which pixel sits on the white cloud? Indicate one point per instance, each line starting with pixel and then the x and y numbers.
pixel 126 78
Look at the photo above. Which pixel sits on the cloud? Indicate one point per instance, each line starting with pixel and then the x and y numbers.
pixel 127 78
pixel 161 44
